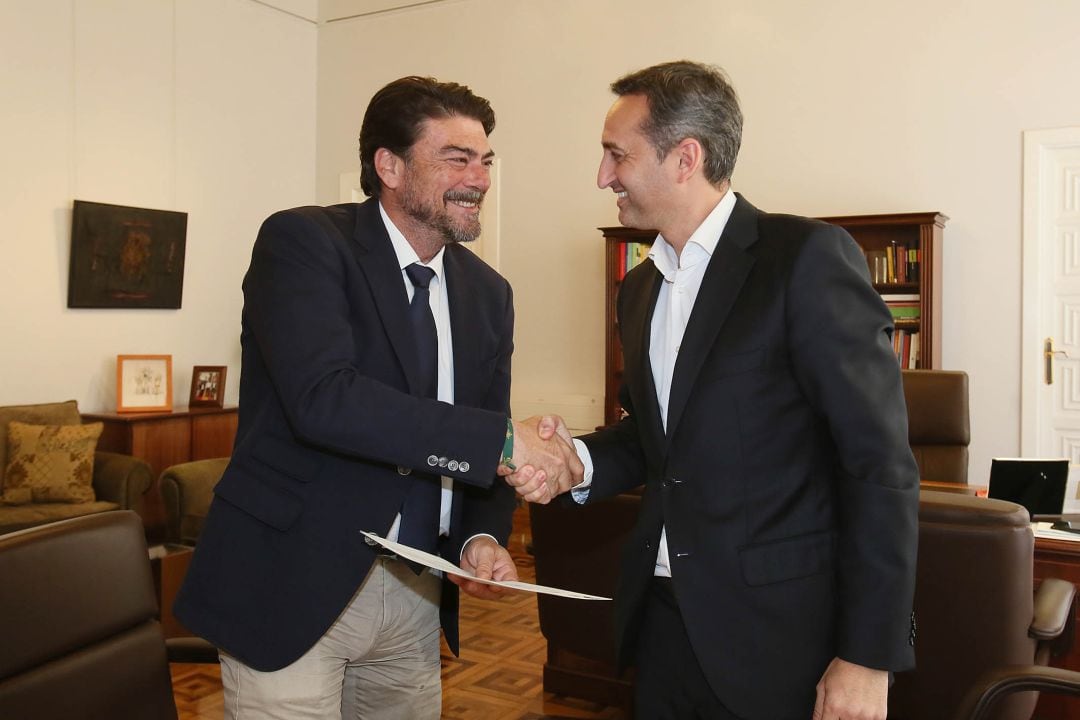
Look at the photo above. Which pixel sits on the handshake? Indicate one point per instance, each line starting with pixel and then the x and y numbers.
pixel 547 464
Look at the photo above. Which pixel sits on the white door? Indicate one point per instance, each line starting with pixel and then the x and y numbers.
pixel 1050 365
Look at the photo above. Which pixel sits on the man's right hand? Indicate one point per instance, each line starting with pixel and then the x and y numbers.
pixel 546 460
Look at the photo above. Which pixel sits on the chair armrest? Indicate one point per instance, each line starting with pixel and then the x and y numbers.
pixel 1053 607
pixel 190 650
pixel 121 479
pixel 1054 621
pixel 996 684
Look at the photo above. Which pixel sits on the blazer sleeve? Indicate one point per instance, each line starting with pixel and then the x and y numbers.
pixel 300 298
pixel 841 353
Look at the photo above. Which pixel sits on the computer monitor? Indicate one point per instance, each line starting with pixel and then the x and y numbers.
pixel 1036 483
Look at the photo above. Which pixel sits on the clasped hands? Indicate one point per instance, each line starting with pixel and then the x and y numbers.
pixel 546 460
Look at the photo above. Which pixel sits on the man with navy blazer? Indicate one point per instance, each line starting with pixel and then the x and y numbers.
pixel 343 426
pixel 770 574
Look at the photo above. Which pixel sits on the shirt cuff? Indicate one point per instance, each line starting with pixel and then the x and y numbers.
pixel 580 492
pixel 466 544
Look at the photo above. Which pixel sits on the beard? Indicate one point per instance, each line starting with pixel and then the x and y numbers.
pixel 438 218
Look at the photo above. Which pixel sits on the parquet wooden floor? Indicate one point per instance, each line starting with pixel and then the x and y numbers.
pixel 498 676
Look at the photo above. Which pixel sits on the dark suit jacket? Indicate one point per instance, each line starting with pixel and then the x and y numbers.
pixel 331 427
pixel 785 480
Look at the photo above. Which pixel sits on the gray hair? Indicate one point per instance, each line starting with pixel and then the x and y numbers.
pixel 689 100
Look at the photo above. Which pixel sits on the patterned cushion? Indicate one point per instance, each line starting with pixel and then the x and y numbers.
pixel 55 463
pixel 59 413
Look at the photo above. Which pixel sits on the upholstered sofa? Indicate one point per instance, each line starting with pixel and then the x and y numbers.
pixel 118 481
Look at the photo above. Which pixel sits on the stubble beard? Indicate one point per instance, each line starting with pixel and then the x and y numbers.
pixel 439 219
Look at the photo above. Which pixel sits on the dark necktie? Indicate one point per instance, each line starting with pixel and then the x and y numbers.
pixel 420 513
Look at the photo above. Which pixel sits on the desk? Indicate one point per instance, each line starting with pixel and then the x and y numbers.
pixel 1060 559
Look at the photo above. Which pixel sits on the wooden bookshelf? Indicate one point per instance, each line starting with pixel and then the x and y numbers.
pixel 922 232
pixel 919 231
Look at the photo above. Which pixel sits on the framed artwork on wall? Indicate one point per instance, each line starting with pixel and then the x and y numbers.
pixel 208 386
pixel 126 257
pixel 143 383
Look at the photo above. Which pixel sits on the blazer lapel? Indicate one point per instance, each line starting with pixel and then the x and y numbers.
pixel 465 312
pixel 724 277
pixel 376 257
pixel 638 307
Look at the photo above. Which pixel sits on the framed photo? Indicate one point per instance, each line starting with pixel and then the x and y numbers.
pixel 126 257
pixel 208 386
pixel 143 383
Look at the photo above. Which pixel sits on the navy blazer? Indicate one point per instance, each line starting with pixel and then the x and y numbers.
pixel 784 479
pixel 332 425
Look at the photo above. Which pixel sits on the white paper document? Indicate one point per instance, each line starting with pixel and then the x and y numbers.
pixel 437 563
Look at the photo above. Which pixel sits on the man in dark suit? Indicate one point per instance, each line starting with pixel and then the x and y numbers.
pixel 374 396
pixel 770 574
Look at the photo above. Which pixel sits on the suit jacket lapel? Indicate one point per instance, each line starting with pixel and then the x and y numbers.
pixel 376 257
pixel 465 312
pixel 638 306
pixel 724 277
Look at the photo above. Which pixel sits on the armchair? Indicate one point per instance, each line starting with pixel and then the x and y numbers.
pixel 939 428
pixel 77 618
pixel 187 490
pixel 975 609
pixel 119 481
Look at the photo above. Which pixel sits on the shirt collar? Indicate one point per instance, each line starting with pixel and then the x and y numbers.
pixel 701 244
pixel 406 256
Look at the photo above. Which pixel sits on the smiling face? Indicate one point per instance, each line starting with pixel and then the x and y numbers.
pixel 443 181
pixel 631 169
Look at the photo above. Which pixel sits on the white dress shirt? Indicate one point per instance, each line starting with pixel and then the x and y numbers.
pixel 682 279
pixel 440 310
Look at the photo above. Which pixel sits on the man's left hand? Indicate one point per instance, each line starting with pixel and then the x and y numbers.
pixel 486 559
pixel 851 692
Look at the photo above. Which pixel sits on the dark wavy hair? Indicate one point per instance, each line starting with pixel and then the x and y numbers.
pixel 689 99
pixel 394 117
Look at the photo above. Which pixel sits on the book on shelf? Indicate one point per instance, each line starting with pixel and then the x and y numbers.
pixel 900 297
pixel 905 310
pixel 906 347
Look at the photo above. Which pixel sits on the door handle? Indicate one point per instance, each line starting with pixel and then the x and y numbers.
pixel 1048 357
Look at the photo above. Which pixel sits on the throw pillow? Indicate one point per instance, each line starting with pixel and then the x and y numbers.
pixel 54 462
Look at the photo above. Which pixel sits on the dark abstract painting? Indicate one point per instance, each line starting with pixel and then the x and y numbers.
pixel 126 257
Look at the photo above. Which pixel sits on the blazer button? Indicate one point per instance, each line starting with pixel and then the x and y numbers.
pixel 432 460
pixel 463 466
pixel 648 544
pixel 402 470
pixel 452 466
pixel 443 461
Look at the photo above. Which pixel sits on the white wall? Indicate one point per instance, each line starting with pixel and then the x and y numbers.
pixel 201 106
pixel 851 107
pixel 210 107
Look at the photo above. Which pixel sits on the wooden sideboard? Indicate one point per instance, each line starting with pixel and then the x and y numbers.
pixel 167 438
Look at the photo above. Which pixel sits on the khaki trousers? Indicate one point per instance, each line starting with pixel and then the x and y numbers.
pixel 378 661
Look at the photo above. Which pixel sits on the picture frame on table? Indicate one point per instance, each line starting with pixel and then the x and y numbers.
pixel 208 386
pixel 144 383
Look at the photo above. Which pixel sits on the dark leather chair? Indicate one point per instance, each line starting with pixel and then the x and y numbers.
pixel 939 428
pixel 79 638
pixel 579 548
pixel 975 609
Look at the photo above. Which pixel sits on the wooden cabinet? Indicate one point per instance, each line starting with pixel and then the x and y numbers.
pixel 921 232
pixel 163 439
